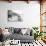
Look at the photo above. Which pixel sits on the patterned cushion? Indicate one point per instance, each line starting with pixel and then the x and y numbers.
pixel 17 30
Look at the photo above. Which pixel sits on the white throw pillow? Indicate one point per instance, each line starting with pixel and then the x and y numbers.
pixel 5 32
pixel 23 31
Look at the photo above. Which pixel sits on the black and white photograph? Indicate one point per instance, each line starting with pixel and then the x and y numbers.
pixel 13 16
pixel 22 22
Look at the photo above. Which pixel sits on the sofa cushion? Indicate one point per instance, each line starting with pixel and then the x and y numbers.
pixel 17 30
pixel 23 31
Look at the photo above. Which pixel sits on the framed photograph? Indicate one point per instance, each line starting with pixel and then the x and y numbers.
pixel 13 16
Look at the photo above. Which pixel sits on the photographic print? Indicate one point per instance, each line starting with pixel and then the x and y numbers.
pixel 13 16
pixel 23 23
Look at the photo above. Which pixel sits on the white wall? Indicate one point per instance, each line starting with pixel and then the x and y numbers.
pixel 30 14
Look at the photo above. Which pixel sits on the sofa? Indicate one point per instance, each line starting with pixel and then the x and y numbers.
pixel 17 34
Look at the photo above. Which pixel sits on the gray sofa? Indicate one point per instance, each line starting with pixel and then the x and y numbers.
pixel 17 35
pixel 22 38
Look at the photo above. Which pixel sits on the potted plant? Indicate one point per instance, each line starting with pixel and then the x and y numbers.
pixel 37 33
